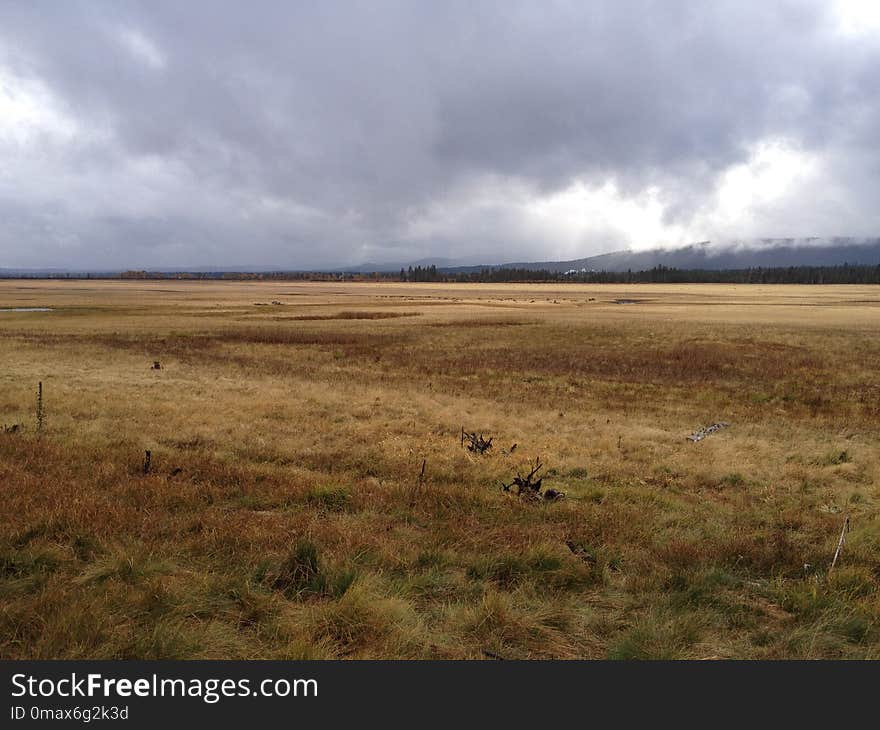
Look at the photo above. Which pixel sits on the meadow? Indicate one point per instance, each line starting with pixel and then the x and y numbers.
pixel 308 494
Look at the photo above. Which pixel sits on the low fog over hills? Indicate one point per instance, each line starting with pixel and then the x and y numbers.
pixel 764 253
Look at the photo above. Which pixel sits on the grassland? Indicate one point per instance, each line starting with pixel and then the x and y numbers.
pixel 283 515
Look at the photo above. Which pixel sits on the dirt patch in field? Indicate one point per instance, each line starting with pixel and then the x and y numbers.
pixel 353 315
pixel 473 323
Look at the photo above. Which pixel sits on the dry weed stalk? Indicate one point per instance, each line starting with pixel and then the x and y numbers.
pixel 40 415
pixel 419 484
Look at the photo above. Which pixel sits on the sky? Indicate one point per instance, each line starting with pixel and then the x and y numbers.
pixel 321 134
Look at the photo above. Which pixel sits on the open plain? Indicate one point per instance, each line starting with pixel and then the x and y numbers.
pixel 286 513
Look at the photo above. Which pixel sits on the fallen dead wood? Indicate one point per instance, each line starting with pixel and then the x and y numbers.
pixel 475 442
pixel 840 544
pixel 529 488
pixel 707 431
pixel 581 552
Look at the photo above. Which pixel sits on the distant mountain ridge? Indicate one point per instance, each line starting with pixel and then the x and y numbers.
pixel 764 253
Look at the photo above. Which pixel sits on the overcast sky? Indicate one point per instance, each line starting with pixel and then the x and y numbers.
pixel 308 134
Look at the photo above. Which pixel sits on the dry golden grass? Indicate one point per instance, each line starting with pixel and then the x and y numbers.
pixel 296 526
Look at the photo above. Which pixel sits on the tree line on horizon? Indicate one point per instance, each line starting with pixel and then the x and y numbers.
pixel 840 274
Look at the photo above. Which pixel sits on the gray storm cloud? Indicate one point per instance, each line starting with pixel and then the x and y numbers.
pixel 324 134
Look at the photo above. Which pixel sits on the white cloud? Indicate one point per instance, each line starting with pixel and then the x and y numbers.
pixel 581 215
pixel 142 48
pixel 588 216
pixel 775 171
pixel 857 17
pixel 28 112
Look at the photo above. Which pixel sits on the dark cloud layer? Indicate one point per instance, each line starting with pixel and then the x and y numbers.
pixel 310 134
